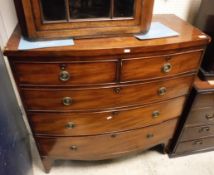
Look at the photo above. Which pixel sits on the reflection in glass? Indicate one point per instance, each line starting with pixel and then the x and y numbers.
pixel 81 9
pixel 123 8
pixel 53 10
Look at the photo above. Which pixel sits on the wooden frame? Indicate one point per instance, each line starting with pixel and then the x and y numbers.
pixel 30 18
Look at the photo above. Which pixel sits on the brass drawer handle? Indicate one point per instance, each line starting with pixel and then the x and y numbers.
pixel 67 101
pixel 73 148
pixel 117 90
pixel 150 135
pixel 204 129
pixel 197 142
pixel 64 76
pixel 209 117
pixel 70 125
pixel 167 67
pixel 155 114
pixel 162 91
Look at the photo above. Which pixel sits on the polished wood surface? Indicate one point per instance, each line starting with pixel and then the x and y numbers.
pixel 105 146
pixel 74 124
pixel 141 68
pixel 106 97
pixel 189 37
pixel 45 73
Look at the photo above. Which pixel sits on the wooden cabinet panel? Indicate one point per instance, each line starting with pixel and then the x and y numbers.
pixel 197 132
pixel 106 146
pixel 195 145
pixel 204 100
pixel 201 117
pixel 63 74
pixel 160 66
pixel 105 98
pixel 74 124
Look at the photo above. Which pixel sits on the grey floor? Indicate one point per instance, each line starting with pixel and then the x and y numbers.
pixel 150 162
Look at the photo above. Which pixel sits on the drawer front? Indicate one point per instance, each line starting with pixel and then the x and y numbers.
pixel 162 66
pixel 195 145
pixel 107 145
pixel 201 117
pixel 75 124
pixel 105 98
pixel 204 100
pixel 78 73
pixel 197 132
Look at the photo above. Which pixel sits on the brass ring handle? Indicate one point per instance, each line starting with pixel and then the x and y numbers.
pixel 155 114
pixel 67 101
pixel 70 125
pixel 117 90
pixel 64 75
pixel 209 117
pixel 73 148
pixel 162 91
pixel 167 67
pixel 150 135
pixel 197 142
pixel 204 129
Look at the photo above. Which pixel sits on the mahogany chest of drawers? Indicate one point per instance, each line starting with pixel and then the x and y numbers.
pixel 197 132
pixel 106 97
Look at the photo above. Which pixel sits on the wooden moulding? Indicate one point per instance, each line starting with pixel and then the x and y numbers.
pixel 33 28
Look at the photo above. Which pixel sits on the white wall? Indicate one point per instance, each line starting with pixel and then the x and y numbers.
pixel 8 20
pixel 186 9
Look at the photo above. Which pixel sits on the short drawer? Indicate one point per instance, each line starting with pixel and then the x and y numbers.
pixel 204 100
pixel 197 132
pixel 107 145
pixel 106 97
pixel 75 124
pixel 160 66
pixel 201 117
pixel 195 145
pixel 72 73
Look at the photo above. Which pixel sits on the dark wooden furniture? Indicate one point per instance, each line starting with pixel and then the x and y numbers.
pixel 106 97
pixel 197 131
pixel 45 19
pixel 205 22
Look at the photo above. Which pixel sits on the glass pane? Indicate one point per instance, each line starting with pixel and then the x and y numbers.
pixel 81 9
pixel 123 8
pixel 53 10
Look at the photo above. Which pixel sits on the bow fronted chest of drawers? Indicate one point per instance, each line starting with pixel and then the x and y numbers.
pixel 105 97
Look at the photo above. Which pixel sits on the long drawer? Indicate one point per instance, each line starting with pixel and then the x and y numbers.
pixel 201 117
pixel 74 124
pixel 107 145
pixel 197 132
pixel 195 145
pixel 160 66
pixel 106 97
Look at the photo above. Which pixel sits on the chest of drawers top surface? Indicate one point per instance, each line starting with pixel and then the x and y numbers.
pixel 188 37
